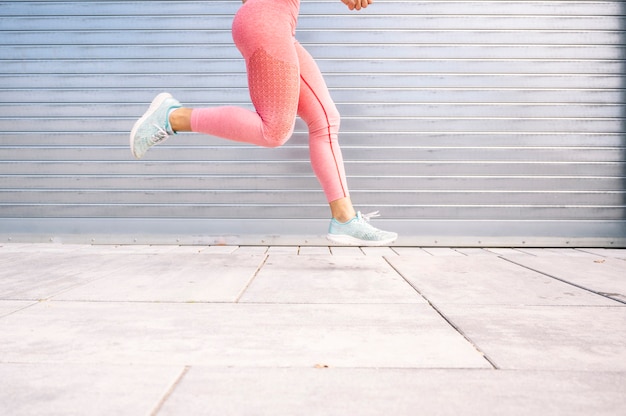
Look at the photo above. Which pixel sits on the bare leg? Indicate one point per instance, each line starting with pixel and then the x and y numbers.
pixel 180 119
pixel 342 209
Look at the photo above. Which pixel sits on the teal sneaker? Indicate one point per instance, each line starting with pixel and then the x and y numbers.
pixel 359 232
pixel 153 127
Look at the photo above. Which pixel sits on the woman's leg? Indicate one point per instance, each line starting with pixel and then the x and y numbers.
pixel 283 79
pixel 274 86
pixel 318 110
pixel 263 32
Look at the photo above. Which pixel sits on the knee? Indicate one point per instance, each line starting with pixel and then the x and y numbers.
pixel 278 135
pixel 275 142
pixel 326 123
pixel 333 116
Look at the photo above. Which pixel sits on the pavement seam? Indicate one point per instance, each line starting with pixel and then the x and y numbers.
pixel 254 275
pixel 170 391
pixel 35 302
pixel 604 295
pixel 449 321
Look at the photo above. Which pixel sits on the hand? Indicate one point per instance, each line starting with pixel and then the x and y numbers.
pixel 357 4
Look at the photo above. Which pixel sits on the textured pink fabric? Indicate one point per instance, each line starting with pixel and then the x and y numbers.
pixel 284 81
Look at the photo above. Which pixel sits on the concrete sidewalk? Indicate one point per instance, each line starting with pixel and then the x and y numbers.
pixel 226 330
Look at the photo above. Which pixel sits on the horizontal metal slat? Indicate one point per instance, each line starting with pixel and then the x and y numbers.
pixel 264 182
pixel 286 212
pixel 290 167
pixel 121 37
pixel 484 36
pixel 339 51
pixel 355 139
pixel 390 80
pixel 465 22
pixel 484 124
pixel 114 22
pixel 135 8
pixel 160 197
pixel 347 110
pixel 328 66
pixel 363 22
pixel 260 182
pixel 253 153
pixel 327 36
pixel 340 95
pixel 308 197
pixel 104 8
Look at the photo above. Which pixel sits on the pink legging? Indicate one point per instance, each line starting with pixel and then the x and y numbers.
pixel 284 81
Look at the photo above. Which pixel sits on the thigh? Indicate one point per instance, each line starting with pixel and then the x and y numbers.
pixel 274 87
pixel 263 32
pixel 268 25
pixel 315 101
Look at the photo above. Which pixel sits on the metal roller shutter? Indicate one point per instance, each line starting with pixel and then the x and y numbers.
pixel 464 122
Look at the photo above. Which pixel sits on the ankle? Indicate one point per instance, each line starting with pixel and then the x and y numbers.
pixel 342 210
pixel 344 218
pixel 180 119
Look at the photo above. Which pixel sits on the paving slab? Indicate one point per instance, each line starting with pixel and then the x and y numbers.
pixel 124 249
pixel 488 280
pixel 618 253
pixel 283 250
pixel 251 250
pixel 37 276
pixel 546 337
pixel 155 249
pixel 506 251
pixel 442 252
pixel 329 279
pixel 243 335
pixel 346 251
pixel 378 251
pixel 314 251
pixel 411 251
pixel 605 275
pixel 395 392
pixel 557 252
pixel 10 306
pixel 40 248
pixel 173 278
pixel 471 251
pixel 11 258
pixel 219 250
pixel 126 330
pixel 70 389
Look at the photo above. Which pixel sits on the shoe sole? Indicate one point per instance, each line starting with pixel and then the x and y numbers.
pixel 347 240
pixel 154 105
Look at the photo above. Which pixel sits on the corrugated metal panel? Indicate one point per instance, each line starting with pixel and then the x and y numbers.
pixel 464 122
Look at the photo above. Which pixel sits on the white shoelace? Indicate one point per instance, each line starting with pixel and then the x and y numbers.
pixel 370 215
pixel 160 135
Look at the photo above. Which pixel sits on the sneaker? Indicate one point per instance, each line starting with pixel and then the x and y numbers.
pixel 359 232
pixel 153 127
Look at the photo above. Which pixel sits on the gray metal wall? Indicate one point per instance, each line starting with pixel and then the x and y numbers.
pixel 465 123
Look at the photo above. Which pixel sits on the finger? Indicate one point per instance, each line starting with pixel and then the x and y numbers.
pixel 362 4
